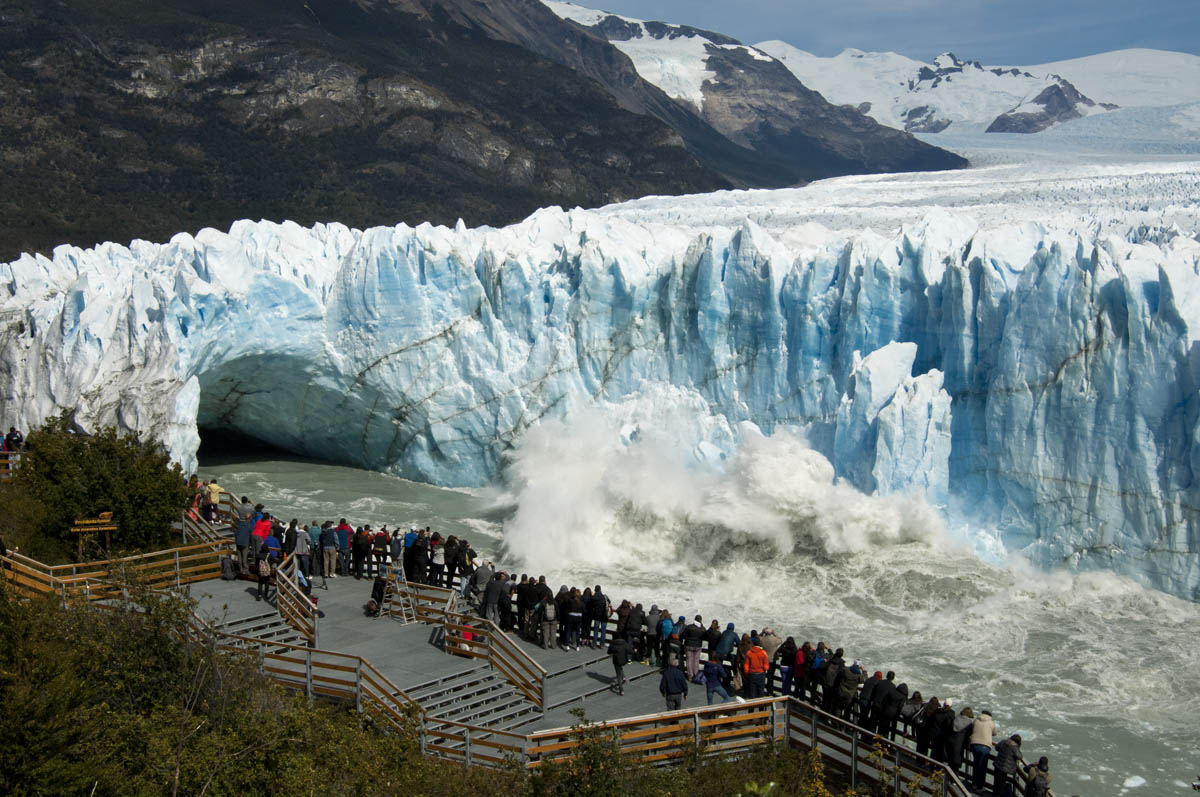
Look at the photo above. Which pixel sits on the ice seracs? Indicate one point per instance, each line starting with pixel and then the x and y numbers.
pixel 1021 350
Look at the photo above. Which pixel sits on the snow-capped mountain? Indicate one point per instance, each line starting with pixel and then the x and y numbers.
pixel 749 98
pixel 1018 348
pixel 929 98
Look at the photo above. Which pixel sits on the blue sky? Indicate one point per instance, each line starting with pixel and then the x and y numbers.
pixel 991 31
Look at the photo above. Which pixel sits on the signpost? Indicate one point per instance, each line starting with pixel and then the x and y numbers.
pixel 102 524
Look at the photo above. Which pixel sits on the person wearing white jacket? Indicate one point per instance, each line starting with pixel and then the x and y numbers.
pixel 981 747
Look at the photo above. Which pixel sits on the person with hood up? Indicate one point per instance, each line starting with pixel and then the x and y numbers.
pixel 756 666
pixel 847 690
pixel 981 747
pixel 960 729
pixel 727 643
pixel 1037 778
pixel 834 672
pixel 1008 753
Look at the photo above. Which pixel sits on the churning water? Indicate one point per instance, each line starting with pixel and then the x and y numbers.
pixel 1091 669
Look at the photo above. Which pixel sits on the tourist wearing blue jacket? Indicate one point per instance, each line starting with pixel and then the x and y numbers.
pixel 714 678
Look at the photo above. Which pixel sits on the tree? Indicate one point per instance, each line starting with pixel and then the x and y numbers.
pixel 74 475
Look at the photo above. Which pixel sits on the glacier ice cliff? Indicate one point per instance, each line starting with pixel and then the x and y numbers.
pixel 1032 373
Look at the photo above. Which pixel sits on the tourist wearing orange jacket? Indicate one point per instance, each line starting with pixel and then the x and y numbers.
pixel 755 668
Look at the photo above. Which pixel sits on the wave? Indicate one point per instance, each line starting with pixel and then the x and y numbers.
pixel 654 481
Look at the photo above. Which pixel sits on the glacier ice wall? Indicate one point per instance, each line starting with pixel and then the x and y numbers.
pixel 1040 378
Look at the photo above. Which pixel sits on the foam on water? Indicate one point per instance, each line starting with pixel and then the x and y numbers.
pixel 1092 669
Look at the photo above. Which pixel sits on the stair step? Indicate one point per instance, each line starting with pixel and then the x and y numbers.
pixel 476 715
pixel 445 701
pixel 451 682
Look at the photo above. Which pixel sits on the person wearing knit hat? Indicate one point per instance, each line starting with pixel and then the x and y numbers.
pixel 1037 778
pixel 1008 753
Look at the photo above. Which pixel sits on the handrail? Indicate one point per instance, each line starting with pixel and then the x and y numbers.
pixel 517 666
pixel 296 608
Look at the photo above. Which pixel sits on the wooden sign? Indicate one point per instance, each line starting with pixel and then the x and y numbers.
pixel 103 524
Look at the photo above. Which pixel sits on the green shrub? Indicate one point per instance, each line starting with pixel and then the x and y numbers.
pixel 65 476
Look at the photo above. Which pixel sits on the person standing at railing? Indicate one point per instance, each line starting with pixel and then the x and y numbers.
pixel 380 544
pixel 360 549
pixel 14 440
pixel 449 556
pixel 302 551
pixel 693 643
pixel 290 536
pixel 420 557
pixel 853 677
pixel 345 535
pixel 981 747
pixel 755 668
pixel 437 559
pixel 1037 778
pixel 598 609
pixel 212 494
pixel 1008 753
pixel 633 630
pixel 314 546
pixel 241 532
pixel 329 553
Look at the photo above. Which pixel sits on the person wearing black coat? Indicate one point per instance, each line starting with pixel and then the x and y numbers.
pixel 634 634
pixel 674 687
pixel 864 699
pixel 619 650
pixel 889 710
pixel 830 678
pixel 449 556
pixel 943 727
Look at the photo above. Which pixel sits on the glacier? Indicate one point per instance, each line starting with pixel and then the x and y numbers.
pixel 1019 349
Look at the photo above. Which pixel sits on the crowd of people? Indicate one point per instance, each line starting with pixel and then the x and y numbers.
pixel 718 659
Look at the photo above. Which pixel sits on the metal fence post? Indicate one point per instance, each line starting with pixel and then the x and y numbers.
pixel 854 760
pixel 467 745
pixel 696 729
pixel 178 575
pixel 814 730
pixel 308 674
pixel 896 775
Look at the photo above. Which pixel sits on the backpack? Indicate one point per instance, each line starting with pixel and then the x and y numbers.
pixel 549 611
pixel 227 571
pixel 1037 785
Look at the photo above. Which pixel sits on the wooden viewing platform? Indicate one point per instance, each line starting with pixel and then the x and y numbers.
pixel 480 696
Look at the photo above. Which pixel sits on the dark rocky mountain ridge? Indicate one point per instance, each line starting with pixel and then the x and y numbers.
pixel 142 118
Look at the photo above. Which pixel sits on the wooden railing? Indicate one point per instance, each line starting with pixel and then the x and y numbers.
pixel 324 673
pixel 472 745
pixel 296 608
pixel 102 579
pixel 9 462
pixel 479 638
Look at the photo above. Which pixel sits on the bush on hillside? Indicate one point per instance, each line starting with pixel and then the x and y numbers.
pixel 67 475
